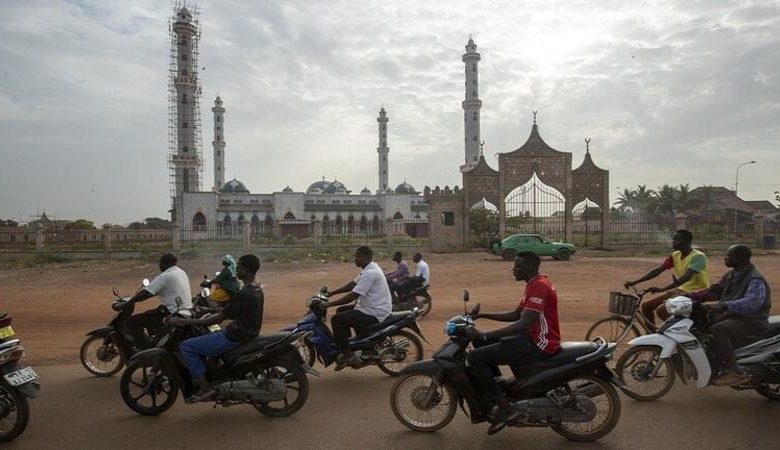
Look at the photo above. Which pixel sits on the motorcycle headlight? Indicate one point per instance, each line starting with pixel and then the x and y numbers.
pixel 679 306
pixel 449 328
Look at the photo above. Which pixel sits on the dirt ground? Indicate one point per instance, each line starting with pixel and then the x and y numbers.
pixel 54 306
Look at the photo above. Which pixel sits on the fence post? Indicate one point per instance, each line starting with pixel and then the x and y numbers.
pixel 317 232
pixel 758 228
pixel 175 237
pixel 107 239
pixel 681 221
pixel 246 234
pixel 40 237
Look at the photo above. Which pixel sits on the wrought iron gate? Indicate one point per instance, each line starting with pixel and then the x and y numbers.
pixel 536 208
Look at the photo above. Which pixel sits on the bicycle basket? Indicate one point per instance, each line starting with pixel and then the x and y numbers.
pixel 622 304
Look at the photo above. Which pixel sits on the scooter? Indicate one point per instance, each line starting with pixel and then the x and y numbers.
pixel 681 347
pixel 17 383
pixel 571 392
pixel 389 345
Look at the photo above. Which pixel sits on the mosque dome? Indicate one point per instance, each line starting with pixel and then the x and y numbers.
pixel 336 187
pixel 318 186
pixel 234 187
pixel 365 191
pixel 287 189
pixel 405 188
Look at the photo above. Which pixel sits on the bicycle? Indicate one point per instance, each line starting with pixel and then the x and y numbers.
pixel 625 319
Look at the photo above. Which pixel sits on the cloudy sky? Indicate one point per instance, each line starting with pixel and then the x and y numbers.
pixel 668 92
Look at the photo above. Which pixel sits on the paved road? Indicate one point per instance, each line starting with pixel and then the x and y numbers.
pixel 350 409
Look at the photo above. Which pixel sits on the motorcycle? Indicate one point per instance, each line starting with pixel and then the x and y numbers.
pixel 571 392
pixel 389 345
pixel 681 347
pixel 105 350
pixel 267 373
pixel 17 384
pixel 419 298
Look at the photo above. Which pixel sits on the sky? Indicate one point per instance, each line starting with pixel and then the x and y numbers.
pixel 669 92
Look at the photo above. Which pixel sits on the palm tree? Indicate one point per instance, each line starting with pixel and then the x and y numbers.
pixel 626 199
pixel 644 198
pixel 666 199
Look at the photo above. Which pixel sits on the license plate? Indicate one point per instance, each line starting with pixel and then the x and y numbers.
pixel 21 376
pixel 6 332
pixel 214 328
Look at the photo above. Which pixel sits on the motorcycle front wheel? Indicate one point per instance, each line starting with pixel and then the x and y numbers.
pixel 100 356
pixel 148 389
pixel 398 351
pixel 421 404
pixel 592 392
pixel 14 412
pixel 294 378
pixel 635 368
pixel 770 391
pixel 425 303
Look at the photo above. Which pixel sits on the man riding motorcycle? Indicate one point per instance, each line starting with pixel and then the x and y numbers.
pixel 373 304
pixel 534 335
pixel 173 287
pixel 245 308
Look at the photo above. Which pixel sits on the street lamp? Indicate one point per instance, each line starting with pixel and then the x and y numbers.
pixel 736 188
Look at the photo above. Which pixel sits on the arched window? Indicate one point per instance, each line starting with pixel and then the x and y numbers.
pixel 375 225
pixel 350 224
pixel 363 223
pixel 199 222
pixel 289 216
pixel 398 216
pixel 339 224
pixel 241 219
pixel 326 225
pixel 268 221
pixel 227 221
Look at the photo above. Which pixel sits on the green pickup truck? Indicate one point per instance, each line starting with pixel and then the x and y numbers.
pixel 516 243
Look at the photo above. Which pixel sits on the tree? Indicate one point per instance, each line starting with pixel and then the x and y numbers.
pixel 80 224
pixel 483 225
pixel 157 223
pixel 666 199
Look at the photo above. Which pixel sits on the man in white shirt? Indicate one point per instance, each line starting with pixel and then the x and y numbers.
pixel 421 278
pixel 373 304
pixel 173 287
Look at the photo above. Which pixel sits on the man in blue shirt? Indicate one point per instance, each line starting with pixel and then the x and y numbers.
pixel 743 301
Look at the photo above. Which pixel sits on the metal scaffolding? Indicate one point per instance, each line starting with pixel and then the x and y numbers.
pixel 185 160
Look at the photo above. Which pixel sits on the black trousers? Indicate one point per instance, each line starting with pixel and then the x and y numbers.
pixel 733 332
pixel 347 317
pixel 514 351
pixel 151 321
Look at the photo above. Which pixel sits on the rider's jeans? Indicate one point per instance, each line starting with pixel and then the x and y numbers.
pixel 513 351
pixel 212 344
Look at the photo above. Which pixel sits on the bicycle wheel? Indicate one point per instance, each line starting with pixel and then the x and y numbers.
pixel 611 329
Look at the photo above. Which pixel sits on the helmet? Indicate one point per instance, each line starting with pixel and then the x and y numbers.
pixel 679 306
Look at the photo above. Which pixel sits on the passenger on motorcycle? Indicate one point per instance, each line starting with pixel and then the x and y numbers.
pixel 173 287
pixel 373 304
pixel 245 309
pixel 532 337
pixel 225 283
pixel 399 276
pixel 421 276
pixel 743 302
pixel 689 268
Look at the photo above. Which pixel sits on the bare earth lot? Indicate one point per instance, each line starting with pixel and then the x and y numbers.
pixel 54 307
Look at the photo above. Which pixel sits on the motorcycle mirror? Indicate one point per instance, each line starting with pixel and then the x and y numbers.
pixel 205 277
pixel 116 293
pixel 465 300
pixel 145 282
pixel 475 309
pixel 324 290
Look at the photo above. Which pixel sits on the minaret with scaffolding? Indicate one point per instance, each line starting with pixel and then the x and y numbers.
pixel 219 144
pixel 184 129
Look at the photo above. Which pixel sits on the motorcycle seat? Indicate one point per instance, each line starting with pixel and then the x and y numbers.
pixel 569 352
pixel 391 319
pixel 255 344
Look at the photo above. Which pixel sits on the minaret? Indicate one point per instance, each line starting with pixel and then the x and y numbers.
pixel 184 115
pixel 383 150
pixel 471 106
pixel 219 144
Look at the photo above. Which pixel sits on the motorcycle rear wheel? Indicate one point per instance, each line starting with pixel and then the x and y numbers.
pixel 607 400
pixel 408 402
pixel 402 342
pixel 634 368
pixel 111 362
pixel 17 414
pixel 770 391
pixel 141 380
pixel 294 378
pixel 425 303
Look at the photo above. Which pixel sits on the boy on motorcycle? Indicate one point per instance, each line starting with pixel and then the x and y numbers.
pixel 373 304
pixel 245 309
pixel 396 278
pixel 173 287
pixel 689 274
pixel 225 283
pixel 532 337
pixel 421 276
pixel 743 303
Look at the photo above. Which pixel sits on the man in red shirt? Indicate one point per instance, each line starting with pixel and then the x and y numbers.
pixel 533 336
